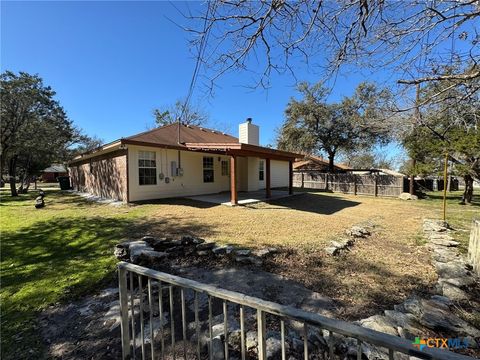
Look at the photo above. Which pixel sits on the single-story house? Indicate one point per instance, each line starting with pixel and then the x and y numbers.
pixel 317 163
pixel 51 173
pixel 180 160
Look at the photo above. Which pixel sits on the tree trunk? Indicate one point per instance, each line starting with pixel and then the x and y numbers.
pixel 468 192
pixel 24 185
pixel 12 168
pixel 412 178
pixel 27 185
pixel 331 167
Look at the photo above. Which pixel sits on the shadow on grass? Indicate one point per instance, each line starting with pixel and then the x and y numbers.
pixel 453 198
pixel 315 203
pixel 177 201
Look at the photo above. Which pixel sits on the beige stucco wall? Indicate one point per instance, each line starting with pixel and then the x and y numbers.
pixel 278 173
pixel 191 183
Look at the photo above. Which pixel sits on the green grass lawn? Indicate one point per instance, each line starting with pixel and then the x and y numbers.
pixel 65 250
pixel 459 217
pixel 53 254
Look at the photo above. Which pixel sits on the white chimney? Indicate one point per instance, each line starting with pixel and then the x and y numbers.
pixel 249 133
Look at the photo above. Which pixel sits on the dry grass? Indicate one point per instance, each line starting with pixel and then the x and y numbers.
pixel 377 273
pixel 307 220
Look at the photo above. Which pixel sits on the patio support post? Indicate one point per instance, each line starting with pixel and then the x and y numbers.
pixel 267 180
pixel 290 177
pixel 233 180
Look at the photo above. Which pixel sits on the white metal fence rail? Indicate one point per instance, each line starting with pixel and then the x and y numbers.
pixel 149 282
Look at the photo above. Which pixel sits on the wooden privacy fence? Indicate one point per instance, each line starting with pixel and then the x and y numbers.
pixel 149 297
pixel 376 185
pixel 474 246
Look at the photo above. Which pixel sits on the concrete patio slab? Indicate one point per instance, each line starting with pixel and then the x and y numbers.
pixel 244 197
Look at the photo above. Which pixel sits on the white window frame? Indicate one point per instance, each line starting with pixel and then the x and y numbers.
pixel 208 168
pixel 225 167
pixel 261 170
pixel 147 160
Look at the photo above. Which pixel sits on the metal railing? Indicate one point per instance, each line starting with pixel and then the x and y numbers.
pixel 136 301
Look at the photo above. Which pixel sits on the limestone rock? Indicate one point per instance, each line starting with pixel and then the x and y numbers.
pixel 379 323
pixel 444 255
pixel 120 252
pixel 219 327
pixel 430 225
pixel 438 319
pixel 197 241
pixel 205 246
pixel 149 239
pixel 273 347
pixel 251 340
pixel 222 250
pixel 135 249
pixel 458 282
pixel 444 241
pixel 451 270
pixel 265 252
pixel 330 250
pixel 150 257
pixel 442 299
pixel 242 252
pixel 407 196
pixel 358 232
pixel 453 292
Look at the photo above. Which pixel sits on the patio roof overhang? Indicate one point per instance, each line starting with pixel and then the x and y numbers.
pixel 239 149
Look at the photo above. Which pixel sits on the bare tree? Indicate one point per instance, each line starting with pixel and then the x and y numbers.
pixel 416 38
pixel 188 114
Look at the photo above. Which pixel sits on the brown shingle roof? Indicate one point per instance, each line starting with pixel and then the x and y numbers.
pixel 318 160
pixel 168 135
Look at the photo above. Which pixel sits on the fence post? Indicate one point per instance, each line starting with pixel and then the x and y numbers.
pixel 261 333
pixel 122 288
pixel 354 184
pixel 303 178
pixel 474 246
pixel 376 185
pixel 326 181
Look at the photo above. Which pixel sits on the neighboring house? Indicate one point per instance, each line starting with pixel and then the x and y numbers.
pixel 375 171
pixel 182 160
pixel 312 162
pixel 51 173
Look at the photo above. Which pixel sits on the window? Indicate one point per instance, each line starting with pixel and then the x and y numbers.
pixel 225 168
pixel 147 168
pixel 261 170
pixel 208 169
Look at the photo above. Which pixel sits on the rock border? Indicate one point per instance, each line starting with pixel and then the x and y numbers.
pixel 149 250
pixel 356 232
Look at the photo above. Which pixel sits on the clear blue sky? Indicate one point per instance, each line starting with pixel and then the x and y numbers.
pixel 111 63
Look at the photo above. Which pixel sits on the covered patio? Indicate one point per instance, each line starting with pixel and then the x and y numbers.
pixel 243 197
pixel 236 150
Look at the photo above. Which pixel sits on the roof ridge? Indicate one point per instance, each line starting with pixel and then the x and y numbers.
pixel 209 129
pixel 176 124
pixel 151 130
